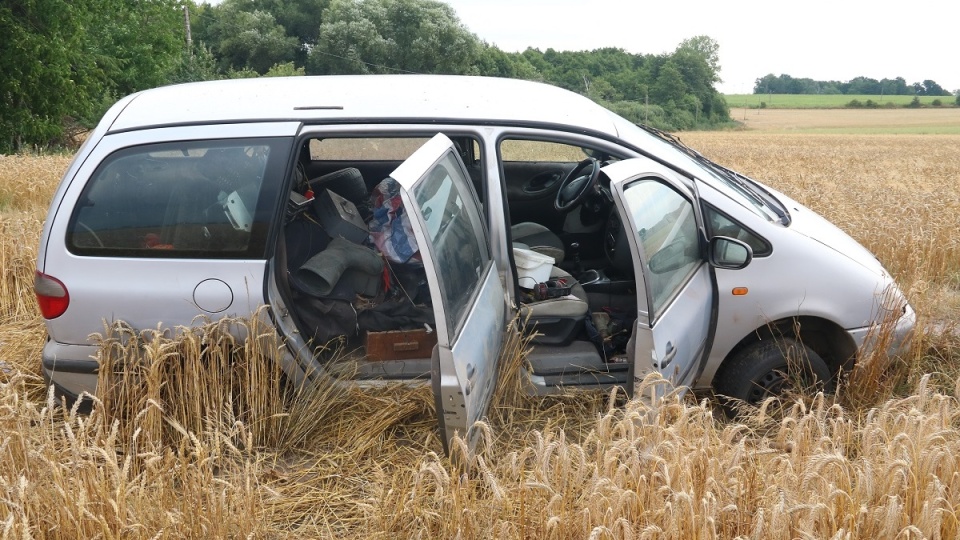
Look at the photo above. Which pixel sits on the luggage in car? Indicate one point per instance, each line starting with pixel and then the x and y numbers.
pixel 340 217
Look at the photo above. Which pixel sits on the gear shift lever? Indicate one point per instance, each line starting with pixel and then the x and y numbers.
pixel 575 249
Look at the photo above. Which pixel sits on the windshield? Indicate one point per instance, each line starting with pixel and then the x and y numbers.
pixel 667 147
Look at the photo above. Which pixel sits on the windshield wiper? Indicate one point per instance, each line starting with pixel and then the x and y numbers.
pixel 746 185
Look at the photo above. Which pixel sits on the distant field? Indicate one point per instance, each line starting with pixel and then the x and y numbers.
pixel 818 101
pixel 851 121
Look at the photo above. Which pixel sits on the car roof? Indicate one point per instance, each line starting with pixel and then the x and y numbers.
pixel 363 98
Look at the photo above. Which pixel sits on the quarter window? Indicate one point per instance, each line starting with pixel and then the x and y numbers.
pixel 719 224
pixel 667 230
pixel 202 199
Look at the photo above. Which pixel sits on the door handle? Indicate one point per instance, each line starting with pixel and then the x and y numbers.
pixel 669 356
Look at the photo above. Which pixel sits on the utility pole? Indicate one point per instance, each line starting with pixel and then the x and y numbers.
pixel 646 107
pixel 186 25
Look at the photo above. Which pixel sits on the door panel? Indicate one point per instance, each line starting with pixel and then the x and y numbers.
pixel 531 190
pixel 676 299
pixel 464 285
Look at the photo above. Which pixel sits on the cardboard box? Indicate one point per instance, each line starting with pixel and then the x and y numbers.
pixel 400 344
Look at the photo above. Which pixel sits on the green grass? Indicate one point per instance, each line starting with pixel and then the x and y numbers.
pixel 878 130
pixel 826 101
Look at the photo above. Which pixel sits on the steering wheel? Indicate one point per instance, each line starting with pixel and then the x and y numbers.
pixel 579 182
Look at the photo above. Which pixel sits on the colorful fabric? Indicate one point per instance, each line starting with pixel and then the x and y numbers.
pixel 390 228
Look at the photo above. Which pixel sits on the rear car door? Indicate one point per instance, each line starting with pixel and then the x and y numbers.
pixel 676 297
pixel 467 294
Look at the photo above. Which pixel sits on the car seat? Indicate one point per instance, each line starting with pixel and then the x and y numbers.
pixel 558 321
pixel 536 237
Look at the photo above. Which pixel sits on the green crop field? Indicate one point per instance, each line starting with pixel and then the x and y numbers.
pixel 826 101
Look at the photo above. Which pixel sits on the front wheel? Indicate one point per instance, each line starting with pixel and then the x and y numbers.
pixel 771 368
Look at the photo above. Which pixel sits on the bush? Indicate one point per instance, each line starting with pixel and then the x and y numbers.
pixel 937 103
pixel 855 104
pixel 914 103
pixel 638 113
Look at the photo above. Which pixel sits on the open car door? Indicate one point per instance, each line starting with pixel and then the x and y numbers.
pixel 465 288
pixel 676 297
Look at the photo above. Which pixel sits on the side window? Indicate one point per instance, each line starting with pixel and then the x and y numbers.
pixel 365 148
pixel 719 224
pixel 532 150
pixel 667 229
pixel 201 199
pixel 456 234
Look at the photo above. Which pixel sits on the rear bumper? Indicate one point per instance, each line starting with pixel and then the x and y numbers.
pixel 71 369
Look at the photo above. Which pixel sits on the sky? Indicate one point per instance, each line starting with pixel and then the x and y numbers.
pixel 817 39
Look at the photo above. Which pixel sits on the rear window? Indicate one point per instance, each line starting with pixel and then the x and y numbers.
pixel 198 199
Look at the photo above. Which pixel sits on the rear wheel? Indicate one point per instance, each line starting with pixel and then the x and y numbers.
pixel 771 368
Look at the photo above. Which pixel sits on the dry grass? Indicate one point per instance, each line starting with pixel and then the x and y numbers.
pixel 201 439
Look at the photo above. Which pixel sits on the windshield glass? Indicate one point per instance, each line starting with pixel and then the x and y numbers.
pixel 738 186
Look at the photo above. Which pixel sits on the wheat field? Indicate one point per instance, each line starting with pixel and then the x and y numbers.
pixel 245 457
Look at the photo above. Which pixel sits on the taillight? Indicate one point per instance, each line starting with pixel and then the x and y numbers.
pixel 51 295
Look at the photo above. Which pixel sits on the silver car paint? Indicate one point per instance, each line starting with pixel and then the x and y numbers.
pixel 144 293
pixel 803 276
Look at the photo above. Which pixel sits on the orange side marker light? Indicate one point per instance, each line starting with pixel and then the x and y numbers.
pixel 740 291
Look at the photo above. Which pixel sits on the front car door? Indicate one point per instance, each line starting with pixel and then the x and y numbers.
pixel 467 294
pixel 676 298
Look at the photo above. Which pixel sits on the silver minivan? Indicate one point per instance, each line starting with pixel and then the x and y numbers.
pixel 399 223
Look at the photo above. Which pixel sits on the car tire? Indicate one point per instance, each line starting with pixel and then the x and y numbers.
pixel 770 368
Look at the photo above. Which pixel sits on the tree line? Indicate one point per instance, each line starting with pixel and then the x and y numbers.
pixel 66 61
pixel 785 84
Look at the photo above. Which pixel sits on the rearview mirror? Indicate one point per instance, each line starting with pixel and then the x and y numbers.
pixel 729 253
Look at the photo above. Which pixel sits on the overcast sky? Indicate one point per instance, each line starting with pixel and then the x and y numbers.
pixel 818 39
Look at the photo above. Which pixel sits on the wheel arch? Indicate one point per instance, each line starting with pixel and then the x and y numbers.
pixel 830 341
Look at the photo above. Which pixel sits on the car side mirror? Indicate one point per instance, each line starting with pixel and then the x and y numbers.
pixel 673 256
pixel 729 253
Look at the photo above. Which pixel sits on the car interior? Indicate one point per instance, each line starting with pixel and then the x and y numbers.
pixel 358 290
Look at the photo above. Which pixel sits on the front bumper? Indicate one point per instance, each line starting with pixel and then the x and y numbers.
pixel 895 337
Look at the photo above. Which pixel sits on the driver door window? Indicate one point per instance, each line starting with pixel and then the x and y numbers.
pixel 533 171
pixel 528 150
pixel 666 228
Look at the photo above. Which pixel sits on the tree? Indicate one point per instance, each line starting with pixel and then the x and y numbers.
pixel 493 62
pixel 196 64
pixel 45 74
pixel 138 43
pixel 863 85
pixel 669 85
pixel 66 61
pixel 389 36
pixel 707 49
pixel 241 37
pixel 931 88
